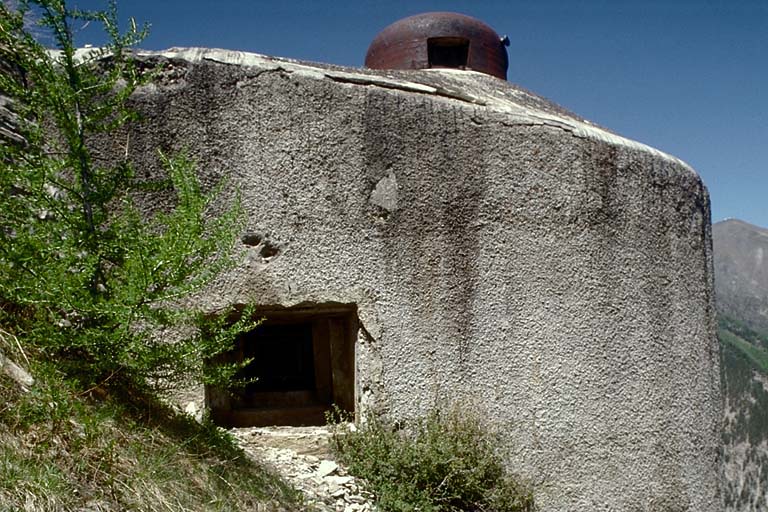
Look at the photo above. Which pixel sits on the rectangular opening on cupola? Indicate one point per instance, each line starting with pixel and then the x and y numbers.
pixel 448 52
pixel 302 364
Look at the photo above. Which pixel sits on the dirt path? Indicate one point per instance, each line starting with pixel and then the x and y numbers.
pixel 302 456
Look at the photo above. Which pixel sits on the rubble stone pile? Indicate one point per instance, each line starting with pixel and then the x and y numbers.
pixel 301 455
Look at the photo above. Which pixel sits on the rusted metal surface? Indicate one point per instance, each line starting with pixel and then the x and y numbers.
pixel 406 44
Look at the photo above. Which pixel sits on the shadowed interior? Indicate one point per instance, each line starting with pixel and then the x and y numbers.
pixel 302 363
pixel 448 52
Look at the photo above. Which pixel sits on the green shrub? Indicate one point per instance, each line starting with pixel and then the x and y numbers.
pixel 85 276
pixel 90 285
pixel 444 462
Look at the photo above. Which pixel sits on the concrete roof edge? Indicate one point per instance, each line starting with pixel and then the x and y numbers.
pixel 474 85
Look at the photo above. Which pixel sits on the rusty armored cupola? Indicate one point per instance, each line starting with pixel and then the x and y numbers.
pixel 439 40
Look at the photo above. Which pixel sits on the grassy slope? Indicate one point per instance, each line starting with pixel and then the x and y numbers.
pixel 757 356
pixel 60 450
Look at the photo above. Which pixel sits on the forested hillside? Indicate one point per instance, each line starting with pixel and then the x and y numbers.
pixel 741 275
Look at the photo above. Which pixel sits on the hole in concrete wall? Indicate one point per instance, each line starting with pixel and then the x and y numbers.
pixel 448 52
pixel 268 250
pixel 303 363
pixel 251 238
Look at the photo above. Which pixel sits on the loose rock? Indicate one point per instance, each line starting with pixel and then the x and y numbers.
pixel 301 455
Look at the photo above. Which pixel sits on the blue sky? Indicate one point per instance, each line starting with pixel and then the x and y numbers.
pixel 689 77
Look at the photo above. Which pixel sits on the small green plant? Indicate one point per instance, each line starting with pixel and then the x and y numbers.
pixel 445 462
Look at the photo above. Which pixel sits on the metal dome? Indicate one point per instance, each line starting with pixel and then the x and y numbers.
pixel 439 40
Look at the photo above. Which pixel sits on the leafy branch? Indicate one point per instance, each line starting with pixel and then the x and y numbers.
pixel 84 273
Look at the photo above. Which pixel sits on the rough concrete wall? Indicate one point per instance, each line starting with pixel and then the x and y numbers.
pixel 559 279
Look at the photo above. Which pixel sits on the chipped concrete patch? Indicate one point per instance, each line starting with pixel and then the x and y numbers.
pixel 385 193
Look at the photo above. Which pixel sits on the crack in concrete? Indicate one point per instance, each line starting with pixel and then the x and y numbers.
pixel 405 86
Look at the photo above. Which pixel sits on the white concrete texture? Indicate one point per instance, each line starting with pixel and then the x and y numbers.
pixel 500 250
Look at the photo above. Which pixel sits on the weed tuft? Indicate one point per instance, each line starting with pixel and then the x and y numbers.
pixel 444 462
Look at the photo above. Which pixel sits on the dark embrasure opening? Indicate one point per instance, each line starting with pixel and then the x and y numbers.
pixel 302 364
pixel 448 52
pixel 282 358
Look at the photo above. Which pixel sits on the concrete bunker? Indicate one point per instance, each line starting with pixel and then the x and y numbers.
pixel 302 364
pixel 550 272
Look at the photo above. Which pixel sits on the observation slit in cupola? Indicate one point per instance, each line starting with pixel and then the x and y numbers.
pixel 439 40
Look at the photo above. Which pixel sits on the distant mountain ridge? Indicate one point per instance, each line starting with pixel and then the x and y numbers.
pixel 741 271
pixel 741 286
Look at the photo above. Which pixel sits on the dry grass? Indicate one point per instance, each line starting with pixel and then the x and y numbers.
pixel 61 451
